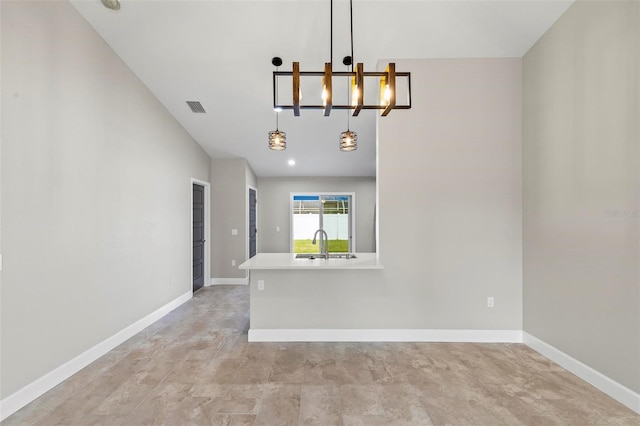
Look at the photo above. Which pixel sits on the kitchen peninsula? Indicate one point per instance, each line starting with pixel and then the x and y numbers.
pixel 290 296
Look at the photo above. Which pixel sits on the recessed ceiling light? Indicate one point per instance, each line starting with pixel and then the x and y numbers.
pixel 111 4
pixel 292 162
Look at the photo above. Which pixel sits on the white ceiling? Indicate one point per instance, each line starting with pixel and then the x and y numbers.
pixel 219 52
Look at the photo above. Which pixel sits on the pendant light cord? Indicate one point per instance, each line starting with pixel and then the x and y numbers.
pixel 348 97
pixel 352 60
pixel 351 17
pixel 331 35
pixel 277 112
pixel 348 116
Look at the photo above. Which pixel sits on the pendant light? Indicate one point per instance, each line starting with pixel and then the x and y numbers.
pixel 277 139
pixel 348 139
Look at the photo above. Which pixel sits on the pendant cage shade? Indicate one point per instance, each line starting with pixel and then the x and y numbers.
pixel 348 141
pixel 277 140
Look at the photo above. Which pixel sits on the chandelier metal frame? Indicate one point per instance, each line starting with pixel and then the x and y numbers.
pixel 387 100
pixel 387 79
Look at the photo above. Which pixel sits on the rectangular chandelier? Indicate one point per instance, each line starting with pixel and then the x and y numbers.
pixel 388 82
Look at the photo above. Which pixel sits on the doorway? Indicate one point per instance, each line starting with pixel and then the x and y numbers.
pixel 200 230
pixel 253 227
pixel 198 237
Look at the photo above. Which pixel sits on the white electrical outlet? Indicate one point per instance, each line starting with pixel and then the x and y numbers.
pixel 490 302
pixel 277 229
pixel 233 262
pixel 260 284
pixel 234 231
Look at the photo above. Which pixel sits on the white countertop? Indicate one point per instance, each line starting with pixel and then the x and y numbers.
pixel 289 261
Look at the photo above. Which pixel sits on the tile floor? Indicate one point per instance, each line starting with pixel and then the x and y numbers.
pixel 195 367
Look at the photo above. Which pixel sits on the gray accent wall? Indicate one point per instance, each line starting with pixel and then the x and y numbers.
pixel 230 180
pixel 581 143
pixel 96 193
pixel 450 214
pixel 274 208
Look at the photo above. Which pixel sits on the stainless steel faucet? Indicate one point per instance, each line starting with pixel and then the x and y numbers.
pixel 326 242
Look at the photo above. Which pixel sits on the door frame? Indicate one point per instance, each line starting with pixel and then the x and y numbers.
pixel 249 188
pixel 207 231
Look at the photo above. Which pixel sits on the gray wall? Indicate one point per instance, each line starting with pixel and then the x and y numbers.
pixel 581 188
pixel 252 179
pixel 450 194
pixel 230 179
pixel 450 210
pixel 96 193
pixel 274 208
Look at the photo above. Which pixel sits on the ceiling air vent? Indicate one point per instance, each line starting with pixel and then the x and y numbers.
pixel 196 107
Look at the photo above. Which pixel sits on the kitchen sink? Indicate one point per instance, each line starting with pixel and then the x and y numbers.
pixel 342 256
pixel 320 256
pixel 308 256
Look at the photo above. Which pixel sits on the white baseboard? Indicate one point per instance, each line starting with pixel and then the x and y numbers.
pixel 609 386
pixel 229 281
pixel 384 335
pixel 35 389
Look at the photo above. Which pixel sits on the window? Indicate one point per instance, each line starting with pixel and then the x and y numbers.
pixel 331 212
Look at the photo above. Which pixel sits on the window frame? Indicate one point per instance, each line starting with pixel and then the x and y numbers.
pixel 352 213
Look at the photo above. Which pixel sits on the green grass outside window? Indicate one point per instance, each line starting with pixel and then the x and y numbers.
pixel 305 246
